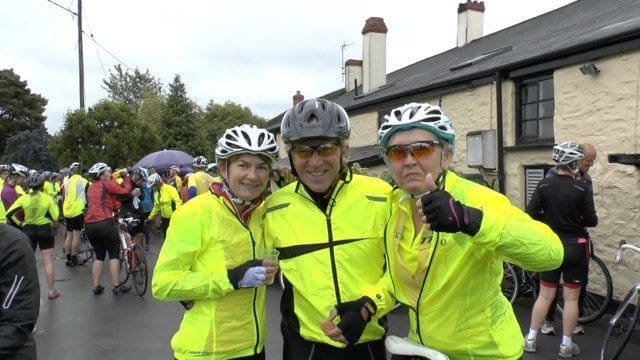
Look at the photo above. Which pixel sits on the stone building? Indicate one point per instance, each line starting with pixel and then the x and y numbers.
pixel 572 74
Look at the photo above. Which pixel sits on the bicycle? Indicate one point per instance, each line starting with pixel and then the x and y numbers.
pixel 519 282
pixel 625 319
pixel 132 260
pixel 407 347
pixel 598 293
pixel 85 251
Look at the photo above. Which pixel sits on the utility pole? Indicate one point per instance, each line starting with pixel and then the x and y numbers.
pixel 80 58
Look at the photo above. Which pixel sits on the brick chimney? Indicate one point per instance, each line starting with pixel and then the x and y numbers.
pixel 470 21
pixel 297 98
pixel 353 74
pixel 374 54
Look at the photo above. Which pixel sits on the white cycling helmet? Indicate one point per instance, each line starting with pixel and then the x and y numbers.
pixel 98 168
pixel 247 139
pixel 19 170
pixel 200 162
pixel 416 116
pixel 75 167
pixel 567 152
pixel 154 179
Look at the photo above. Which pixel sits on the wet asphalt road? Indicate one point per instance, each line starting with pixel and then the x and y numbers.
pixel 79 325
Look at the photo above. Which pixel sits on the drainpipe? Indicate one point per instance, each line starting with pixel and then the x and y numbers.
pixel 500 125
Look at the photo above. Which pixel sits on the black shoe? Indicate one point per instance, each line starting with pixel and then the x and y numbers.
pixel 121 289
pixel 98 290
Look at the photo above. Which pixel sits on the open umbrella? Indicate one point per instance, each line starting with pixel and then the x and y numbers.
pixel 162 160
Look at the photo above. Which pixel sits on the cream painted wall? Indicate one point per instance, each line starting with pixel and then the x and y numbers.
pixel 364 129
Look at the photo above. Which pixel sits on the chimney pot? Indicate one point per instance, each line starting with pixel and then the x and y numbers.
pixel 471 5
pixel 374 24
pixel 297 98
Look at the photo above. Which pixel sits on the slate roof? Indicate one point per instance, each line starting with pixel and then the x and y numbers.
pixel 580 26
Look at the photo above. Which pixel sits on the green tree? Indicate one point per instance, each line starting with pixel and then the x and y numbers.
pixel 123 139
pixel 78 140
pixel 149 113
pixel 20 109
pixel 181 125
pixel 130 87
pixel 29 148
pixel 218 118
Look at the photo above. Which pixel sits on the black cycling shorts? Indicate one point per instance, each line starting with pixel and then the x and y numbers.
pixel 574 268
pixel 104 238
pixel 40 235
pixel 74 223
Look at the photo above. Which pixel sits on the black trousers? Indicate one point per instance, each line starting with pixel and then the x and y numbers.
pixel 296 349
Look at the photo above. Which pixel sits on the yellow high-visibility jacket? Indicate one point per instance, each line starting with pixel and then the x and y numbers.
pixel 327 257
pixel 451 281
pixel 165 201
pixel 205 239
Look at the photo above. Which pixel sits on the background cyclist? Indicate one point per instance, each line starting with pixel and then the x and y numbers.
pixel 199 182
pixel 73 207
pixel 40 209
pixel 566 204
pixel 101 226
pixel 590 155
pixel 210 259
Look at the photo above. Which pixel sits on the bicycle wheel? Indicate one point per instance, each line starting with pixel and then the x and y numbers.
pixel 620 327
pixel 510 284
pixel 139 270
pixel 598 295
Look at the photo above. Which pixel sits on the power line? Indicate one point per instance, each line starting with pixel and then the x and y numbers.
pixel 90 36
pixel 63 8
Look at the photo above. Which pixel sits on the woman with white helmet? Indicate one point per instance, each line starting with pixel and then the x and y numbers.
pixel 165 201
pixel 100 224
pixel 211 258
pixel 446 241
pixel 565 203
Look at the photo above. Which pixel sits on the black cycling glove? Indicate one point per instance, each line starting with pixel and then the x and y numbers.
pixel 352 322
pixel 445 214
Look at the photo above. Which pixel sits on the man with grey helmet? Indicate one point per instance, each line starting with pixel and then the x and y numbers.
pixel 329 228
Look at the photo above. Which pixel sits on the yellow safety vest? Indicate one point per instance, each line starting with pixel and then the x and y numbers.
pixel 74 196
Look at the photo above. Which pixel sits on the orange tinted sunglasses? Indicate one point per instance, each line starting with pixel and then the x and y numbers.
pixel 419 150
pixel 306 151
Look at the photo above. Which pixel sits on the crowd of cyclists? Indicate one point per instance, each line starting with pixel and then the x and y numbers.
pixel 351 247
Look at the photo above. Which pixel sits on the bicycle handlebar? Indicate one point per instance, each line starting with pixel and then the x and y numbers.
pixel 624 246
pixel 404 346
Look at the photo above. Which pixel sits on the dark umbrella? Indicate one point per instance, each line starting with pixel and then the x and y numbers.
pixel 162 160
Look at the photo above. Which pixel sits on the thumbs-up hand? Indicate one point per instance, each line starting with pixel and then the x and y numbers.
pixel 443 213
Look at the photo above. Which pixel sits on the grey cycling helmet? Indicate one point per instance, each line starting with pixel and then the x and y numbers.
pixel 315 118
pixel 75 167
pixel 35 180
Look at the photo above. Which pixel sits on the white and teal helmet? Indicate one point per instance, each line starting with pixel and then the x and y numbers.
pixel 416 116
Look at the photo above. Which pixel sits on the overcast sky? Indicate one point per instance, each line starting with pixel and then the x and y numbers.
pixel 255 53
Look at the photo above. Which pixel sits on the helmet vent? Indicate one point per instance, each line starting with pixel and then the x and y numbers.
pixel 312 119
